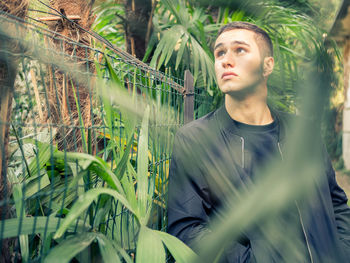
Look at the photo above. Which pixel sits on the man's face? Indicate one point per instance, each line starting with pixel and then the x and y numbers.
pixel 238 61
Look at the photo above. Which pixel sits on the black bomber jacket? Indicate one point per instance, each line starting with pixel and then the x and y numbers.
pixel 208 167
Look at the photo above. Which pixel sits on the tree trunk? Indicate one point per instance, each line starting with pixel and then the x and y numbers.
pixel 138 25
pixel 63 106
pixel 9 48
pixel 346 111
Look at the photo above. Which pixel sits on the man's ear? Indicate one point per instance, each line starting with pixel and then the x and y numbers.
pixel 269 63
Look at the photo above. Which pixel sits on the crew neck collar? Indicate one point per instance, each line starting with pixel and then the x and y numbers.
pixel 255 128
pixel 227 124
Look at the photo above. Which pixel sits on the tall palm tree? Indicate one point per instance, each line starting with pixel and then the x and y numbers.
pixel 8 69
pixel 64 106
pixel 126 22
pixel 138 25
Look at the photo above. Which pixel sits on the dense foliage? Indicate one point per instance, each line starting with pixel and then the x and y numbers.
pixel 47 179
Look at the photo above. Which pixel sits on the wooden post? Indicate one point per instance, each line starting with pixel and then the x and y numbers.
pixel 346 111
pixel 188 97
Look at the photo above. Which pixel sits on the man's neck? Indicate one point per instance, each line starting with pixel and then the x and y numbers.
pixel 252 109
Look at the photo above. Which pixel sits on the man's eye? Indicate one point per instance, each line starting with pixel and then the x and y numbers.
pixel 240 50
pixel 220 53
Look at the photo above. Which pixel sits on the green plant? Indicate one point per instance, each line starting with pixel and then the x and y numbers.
pixel 138 202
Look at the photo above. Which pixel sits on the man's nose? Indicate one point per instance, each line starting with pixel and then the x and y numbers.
pixel 228 60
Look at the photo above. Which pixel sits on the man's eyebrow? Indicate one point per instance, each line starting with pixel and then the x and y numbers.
pixel 218 45
pixel 233 43
pixel 240 43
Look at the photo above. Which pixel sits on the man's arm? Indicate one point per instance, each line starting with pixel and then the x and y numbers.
pixel 341 209
pixel 187 209
pixel 189 205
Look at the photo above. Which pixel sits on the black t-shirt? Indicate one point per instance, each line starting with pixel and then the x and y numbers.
pixel 261 142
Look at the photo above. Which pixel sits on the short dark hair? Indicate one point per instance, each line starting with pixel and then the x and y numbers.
pixel 251 27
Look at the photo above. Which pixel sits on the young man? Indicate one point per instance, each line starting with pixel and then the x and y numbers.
pixel 219 156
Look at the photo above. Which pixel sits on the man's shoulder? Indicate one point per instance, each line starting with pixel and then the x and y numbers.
pixel 203 125
pixel 283 115
pixel 284 118
pixel 289 118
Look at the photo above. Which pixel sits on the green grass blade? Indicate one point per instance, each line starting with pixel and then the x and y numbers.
pixel 142 166
pixel 81 121
pixel 121 166
pixel 179 250
pixel 108 252
pixel 18 198
pixel 84 202
pixel 46 243
pixel 43 156
pixel 123 253
pixel 128 186
pixel 78 178
pixel 69 248
pixel 150 247
pixel 112 73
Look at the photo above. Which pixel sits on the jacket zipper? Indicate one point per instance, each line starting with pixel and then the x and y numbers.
pixel 242 139
pixel 300 217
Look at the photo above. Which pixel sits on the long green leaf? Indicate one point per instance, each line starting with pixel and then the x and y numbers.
pixel 149 247
pixel 36 184
pixel 42 157
pixel 108 252
pixel 96 164
pixel 33 225
pixel 179 250
pixel 170 38
pixel 70 247
pixel 81 121
pixel 123 253
pixel 128 186
pixel 121 166
pixel 112 73
pixel 181 50
pixel 84 202
pixel 20 211
pixel 78 178
pixel 46 242
pixel 142 167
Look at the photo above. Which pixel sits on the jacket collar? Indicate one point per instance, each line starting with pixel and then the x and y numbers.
pixel 227 125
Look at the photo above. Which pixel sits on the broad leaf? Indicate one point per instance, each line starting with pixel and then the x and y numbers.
pixel 179 250
pixel 84 202
pixel 97 165
pixel 70 247
pixel 150 247
pixel 108 252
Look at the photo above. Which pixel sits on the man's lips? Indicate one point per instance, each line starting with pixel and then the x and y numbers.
pixel 228 75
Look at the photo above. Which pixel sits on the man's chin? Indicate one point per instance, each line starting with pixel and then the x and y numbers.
pixel 239 92
pixel 233 89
